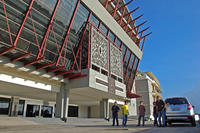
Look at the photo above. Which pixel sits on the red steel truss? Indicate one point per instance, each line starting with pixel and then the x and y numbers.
pixel 72 73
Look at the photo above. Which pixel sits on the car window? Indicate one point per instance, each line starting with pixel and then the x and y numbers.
pixel 176 101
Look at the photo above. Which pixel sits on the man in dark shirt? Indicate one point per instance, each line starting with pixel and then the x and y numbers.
pixel 141 113
pixel 161 111
pixel 115 110
pixel 155 114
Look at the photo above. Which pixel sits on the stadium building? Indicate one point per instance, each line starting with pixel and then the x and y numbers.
pixel 68 58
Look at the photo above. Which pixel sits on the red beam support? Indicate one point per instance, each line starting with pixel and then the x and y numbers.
pixel 88 65
pixel 34 61
pixel 115 10
pixel 43 45
pixel 121 18
pixel 22 25
pixel 135 75
pixel 144 30
pixel 135 19
pixel 106 3
pixel 131 12
pixel 64 72
pixel 127 67
pixel 77 77
pixel 8 26
pixel 56 69
pixel 125 54
pixel 129 78
pixel 147 35
pixel 73 75
pixel 20 57
pixel 45 65
pixel 140 24
pixel 80 43
pixel 143 43
pixel 6 50
pixel 68 31
pixel 125 4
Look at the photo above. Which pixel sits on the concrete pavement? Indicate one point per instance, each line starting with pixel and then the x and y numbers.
pixel 42 125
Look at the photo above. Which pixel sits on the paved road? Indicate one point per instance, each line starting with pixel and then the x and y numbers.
pixel 21 125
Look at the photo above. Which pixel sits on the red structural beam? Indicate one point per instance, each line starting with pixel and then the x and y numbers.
pixel 88 63
pixel 80 42
pixel 134 75
pixel 6 50
pixel 20 57
pixel 115 10
pixel 144 30
pixel 147 35
pixel 125 4
pixel 22 25
pixel 140 24
pixel 80 76
pixel 132 69
pixel 56 69
pixel 131 12
pixel 8 26
pixel 45 66
pixel 48 29
pixel 143 43
pixel 72 75
pixel 135 19
pixel 67 33
pixel 64 72
pixel 34 61
pixel 127 66
pixel 121 17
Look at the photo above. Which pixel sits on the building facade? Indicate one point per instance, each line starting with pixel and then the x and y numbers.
pixel 148 87
pixel 61 58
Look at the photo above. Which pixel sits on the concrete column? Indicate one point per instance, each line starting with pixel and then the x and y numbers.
pixel 104 108
pixel 40 111
pixel 62 102
pixel 14 106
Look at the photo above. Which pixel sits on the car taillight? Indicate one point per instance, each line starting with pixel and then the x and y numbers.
pixel 189 107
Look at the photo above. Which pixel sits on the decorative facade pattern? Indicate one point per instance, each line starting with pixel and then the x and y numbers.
pixel 99 49
pixel 115 61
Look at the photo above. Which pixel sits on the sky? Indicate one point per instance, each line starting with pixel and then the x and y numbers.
pixel 172 52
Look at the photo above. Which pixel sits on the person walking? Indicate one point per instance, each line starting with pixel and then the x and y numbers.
pixel 141 113
pixel 161 111
pixel 115 110
pixel 125 113
pixel 155 114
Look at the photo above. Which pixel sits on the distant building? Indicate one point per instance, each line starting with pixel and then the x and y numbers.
pixel 148 87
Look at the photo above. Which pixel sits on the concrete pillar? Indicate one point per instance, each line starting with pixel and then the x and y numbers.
pixel 14 106
pixel 40 111
pixel 104 109
pixel 62 102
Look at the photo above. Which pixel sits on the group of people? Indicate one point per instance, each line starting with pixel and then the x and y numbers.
pixel 159 111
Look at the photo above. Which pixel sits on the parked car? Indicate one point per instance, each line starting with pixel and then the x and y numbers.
pixel 178 109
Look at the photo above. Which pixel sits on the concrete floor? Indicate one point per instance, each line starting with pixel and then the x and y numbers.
pixel 42 125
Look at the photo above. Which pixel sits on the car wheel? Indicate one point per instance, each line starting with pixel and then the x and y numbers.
pixel 193 122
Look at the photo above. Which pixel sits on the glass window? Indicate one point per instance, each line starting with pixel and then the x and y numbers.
pixel 103 29
pixel 111 36
pixel 118 42
pixel 94 20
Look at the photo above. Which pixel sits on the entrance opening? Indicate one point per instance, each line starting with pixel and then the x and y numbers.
pixel 47 111
pixel 32 110
pixel 73 111
pixel 21 107
pixel 4 106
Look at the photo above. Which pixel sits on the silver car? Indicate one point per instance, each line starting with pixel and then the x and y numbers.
pixel 178 109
